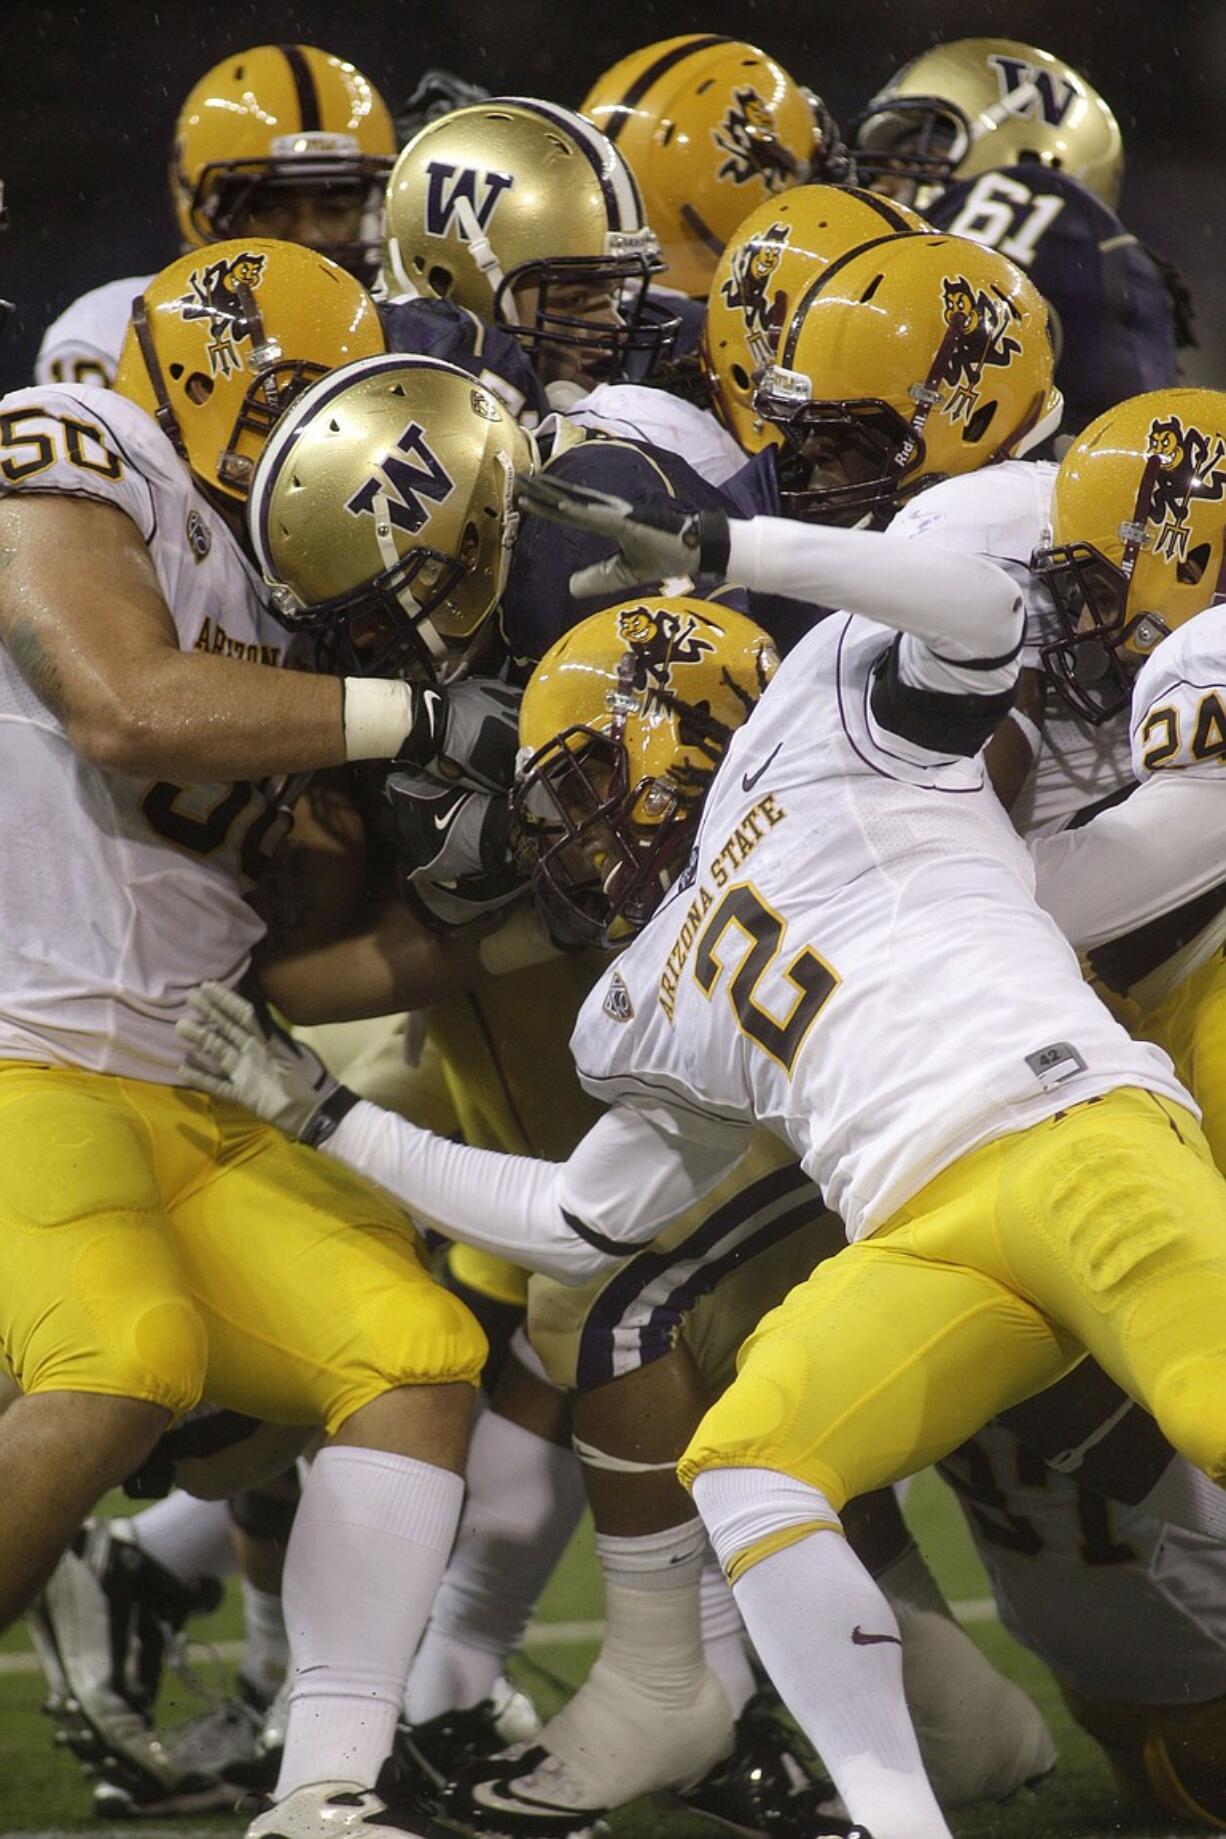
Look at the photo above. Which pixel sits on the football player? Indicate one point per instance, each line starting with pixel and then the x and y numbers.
pixel 1009 145
pixel 282 141
pixel 1011 1141
pixel 145 715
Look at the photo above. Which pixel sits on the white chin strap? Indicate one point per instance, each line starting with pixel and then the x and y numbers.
pixel 1015 103
pixel 390 557
pixel 479 249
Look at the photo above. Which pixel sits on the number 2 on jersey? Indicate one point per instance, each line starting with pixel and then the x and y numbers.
pixel 812 978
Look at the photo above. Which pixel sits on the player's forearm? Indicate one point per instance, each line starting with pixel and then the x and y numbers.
pixel 1143 858
pixel 964 607
pixel 392 965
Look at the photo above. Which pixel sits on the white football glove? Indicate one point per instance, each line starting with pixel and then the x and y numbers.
pixel 230 1055
pixel 656 542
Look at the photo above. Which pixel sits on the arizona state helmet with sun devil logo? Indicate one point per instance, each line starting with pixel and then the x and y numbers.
pixel 909 360
pixel 523 213
pixel 621 728
pixel 381 514
pixel 770 260
pixel 222 341
pixel 982 103
pixel 1138 527
pixel 711 127
pixel 281 116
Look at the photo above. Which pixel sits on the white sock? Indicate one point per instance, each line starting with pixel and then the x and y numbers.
pixel 828 1639
pixel 723 1635
pixel 190 1537
pixel 265 1642
pixel 525 1496
pixel 370 1540
pixel 1182 1496
pixel 652 1632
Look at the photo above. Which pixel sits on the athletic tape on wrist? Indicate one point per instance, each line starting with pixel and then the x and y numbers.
pixel 377 713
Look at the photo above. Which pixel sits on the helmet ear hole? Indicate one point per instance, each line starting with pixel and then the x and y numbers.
pixel 198 387
pixel 440 281
pixel 740 376
pixel 1194 564
pixel 979 423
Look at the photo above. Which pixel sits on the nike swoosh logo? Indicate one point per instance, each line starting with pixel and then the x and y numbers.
pixel 749 780
pixel 860 1639
pixel 445 820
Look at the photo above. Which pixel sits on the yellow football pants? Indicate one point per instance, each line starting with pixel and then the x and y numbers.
pixel 161 1245
pixel 1191 1025
pixel 1101 1229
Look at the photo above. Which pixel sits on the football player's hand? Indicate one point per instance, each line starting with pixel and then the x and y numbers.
pixel 230 1055
pixel 453 848
pixel 655 542
pixel 470 729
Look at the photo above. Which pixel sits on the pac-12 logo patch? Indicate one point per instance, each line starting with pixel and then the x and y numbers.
pixel 1183 465
pixel 214 293
pixel 617 1004
pixel 199 536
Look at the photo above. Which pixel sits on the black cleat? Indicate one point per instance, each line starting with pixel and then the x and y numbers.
pixel 767 1788
pixel 435 1752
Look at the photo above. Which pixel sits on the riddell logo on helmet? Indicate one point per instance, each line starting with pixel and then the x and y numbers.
pixel 214 295
pixel 978 336
pixel 748 136
pixel 747 290
pixel 1182 467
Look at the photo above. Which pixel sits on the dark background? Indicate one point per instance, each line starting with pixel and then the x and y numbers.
pixel 89 94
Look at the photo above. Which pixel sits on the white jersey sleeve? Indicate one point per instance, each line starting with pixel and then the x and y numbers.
pixel 146 889
pixel 83 344
pixel 626 1180
pixel 632 412
pixel 1004 512
pixel 1167 843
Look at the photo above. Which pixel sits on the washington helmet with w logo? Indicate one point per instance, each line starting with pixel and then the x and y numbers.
pixel 382 516
pixel 911 359
pixel 525 214
pixel 1138 540
pixel 976 104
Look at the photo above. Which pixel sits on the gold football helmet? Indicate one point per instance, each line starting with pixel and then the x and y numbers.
pixel 621 728
pixel 981 103
pixel 381 513
pixel 1138 540
pixel 225 338
pixel 279 120
pixel 711 127
pixel 769 261
pixel 909 360
pixel 523 213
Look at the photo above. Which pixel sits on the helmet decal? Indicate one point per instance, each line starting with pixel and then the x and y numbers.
pixel 1032 90
pixel 978 337
pixel 1180 467
pixel 408 473
pixel 215 292
pixel 747 290
pixel 450 185
pixel 749 137
pixel 659 640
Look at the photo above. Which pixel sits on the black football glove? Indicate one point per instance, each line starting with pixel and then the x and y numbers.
pixel 453 849
pixel 655 542
pixel 471 729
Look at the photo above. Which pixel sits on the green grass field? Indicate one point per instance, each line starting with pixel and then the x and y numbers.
pixel 42 1791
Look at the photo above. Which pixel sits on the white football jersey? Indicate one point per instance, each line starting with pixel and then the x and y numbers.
pixel 853 957
pixel 1004 512
pixel 1116 1603
pixel 83 344
pixel 633 412
pixel 1178 711
pixel 120 894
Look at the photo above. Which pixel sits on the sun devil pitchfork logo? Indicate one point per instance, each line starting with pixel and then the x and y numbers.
pixel 748 290
pixel 748 136
pixel 978 337
pixel 213 294
pixel 1184 466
